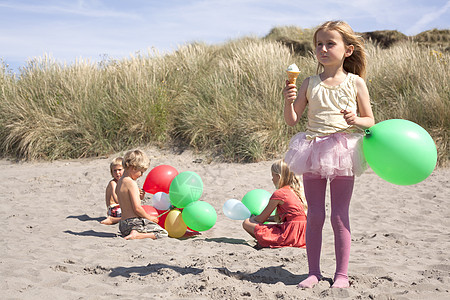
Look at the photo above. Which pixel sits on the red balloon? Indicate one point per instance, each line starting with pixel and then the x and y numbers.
pixel 151 210
pixel 159 179
pixel 162 219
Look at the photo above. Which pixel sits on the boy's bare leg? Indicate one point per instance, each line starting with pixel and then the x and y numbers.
pixel 110 220
pixel 134 235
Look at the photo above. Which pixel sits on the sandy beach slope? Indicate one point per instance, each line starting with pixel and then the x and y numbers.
pixel 53 245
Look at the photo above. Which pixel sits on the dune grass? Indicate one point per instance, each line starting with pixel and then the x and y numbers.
pixel 412 83
pixel 52 111
pixel 222 99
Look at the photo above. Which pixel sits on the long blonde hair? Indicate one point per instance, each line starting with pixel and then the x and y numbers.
pixel 287 177
pixel 355 63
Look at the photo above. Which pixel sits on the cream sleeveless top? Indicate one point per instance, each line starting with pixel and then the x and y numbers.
pixel 325 103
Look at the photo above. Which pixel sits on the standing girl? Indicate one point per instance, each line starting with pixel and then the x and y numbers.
pixel 290 206
pixel 338 100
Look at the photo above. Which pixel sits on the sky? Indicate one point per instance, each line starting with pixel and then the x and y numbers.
pixel 101 29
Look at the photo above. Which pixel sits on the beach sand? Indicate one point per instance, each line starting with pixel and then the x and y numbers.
pixel 53 245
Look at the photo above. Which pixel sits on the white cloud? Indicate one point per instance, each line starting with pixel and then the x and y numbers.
pixel 429 18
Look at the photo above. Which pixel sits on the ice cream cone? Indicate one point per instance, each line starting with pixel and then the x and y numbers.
pixel 292 76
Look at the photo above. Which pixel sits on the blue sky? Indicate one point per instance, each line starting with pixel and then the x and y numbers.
pixel 69 30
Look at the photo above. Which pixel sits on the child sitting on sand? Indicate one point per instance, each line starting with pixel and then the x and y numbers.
pixel 135 223
pixel 290 204
pixel 112 204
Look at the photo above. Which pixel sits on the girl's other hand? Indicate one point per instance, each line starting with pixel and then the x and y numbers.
pixel 141 194
pixel 349 116
pixel 290 92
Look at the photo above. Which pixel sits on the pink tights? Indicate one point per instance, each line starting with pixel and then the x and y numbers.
pixel 341 189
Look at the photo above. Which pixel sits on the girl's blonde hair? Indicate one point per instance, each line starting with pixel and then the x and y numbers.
pixel 137 159
pixel 355 63
pixel 287 177
pixel 118 161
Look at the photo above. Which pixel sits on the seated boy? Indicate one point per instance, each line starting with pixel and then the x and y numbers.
pixel 135 223
pixel 112 204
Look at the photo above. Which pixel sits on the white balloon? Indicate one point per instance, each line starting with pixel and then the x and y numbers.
pixel 161 201
pixel 235 210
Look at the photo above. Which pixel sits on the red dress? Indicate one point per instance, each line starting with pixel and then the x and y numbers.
pixel 289 233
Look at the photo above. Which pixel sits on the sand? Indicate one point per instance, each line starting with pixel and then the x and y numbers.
pixel 53 245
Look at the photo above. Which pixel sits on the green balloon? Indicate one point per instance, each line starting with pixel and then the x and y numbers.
pixel 199 216
pixel 186 187
pixel 256 200
pixel 400 151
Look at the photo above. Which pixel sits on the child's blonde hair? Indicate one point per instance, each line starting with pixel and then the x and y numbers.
pixel 287 177
pixel 137 159
pixel 355 63
pixel 118 161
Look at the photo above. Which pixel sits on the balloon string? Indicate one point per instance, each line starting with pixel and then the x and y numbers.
pixel 165 212
pixel 352 127
pixel 346 106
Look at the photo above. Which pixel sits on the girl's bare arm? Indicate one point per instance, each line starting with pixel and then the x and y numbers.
pixel 265 214
pixel 365 119
pixel 294 104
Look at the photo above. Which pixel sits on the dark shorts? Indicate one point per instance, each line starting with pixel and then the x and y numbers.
pixel 141 225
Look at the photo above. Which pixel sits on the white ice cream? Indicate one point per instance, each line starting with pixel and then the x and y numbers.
pixel 293 68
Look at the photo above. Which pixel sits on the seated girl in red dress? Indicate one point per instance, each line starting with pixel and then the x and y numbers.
pixel 290 204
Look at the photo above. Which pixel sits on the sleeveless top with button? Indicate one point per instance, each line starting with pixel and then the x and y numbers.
pixel 325 103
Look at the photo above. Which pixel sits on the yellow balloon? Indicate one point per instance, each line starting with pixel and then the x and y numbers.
pixel 174 224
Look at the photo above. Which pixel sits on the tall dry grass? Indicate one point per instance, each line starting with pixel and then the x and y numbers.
pixel 235 108
pixel 412 83
pixel 54 111
pixel 223 99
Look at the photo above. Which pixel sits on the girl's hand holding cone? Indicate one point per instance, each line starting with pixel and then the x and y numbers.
pixel 290 92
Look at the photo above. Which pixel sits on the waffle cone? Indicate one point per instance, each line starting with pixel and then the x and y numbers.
pixel 292 76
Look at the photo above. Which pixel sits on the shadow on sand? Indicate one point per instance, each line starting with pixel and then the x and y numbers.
pixel 93 233
pixel 150 269
pixel 85 218
pixel 270 275
pixel 228 241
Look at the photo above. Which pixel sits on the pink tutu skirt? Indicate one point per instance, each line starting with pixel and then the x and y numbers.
pixel 337 154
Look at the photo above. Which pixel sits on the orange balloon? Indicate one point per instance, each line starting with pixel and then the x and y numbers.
pixel 174 224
